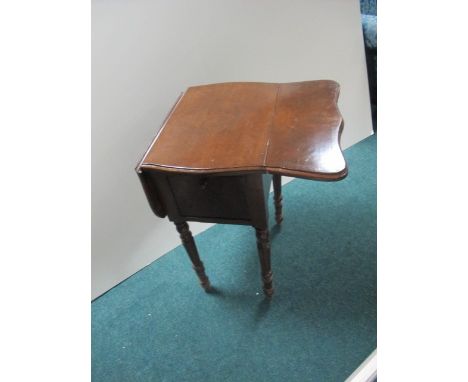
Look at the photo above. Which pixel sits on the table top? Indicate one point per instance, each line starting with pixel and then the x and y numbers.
pixel 290 129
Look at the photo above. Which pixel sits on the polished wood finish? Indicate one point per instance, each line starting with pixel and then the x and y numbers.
pixel 222 146
pixel 304 136
pixel 191 248
pixel 263 245
pixel 287 129
pixel 209 197
pixel 278 198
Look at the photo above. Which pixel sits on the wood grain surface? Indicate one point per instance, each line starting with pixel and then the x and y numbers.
pixel 290 129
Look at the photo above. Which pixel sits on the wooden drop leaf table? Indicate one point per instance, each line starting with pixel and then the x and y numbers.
pixel 222 145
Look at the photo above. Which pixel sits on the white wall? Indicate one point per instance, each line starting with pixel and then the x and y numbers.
pixel 146 52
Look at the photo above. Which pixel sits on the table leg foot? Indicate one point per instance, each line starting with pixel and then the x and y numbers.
pixel 263 245
pixel 191 248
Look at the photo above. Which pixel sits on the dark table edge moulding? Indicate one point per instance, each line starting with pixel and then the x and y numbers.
pixel 262 233
pixel 246 170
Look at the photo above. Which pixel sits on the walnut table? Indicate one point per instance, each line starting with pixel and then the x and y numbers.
pixel 221 146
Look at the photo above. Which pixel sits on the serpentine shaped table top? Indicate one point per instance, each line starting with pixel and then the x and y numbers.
pixel 290 129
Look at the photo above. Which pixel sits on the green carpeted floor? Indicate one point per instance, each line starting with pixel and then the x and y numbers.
pixel 159 325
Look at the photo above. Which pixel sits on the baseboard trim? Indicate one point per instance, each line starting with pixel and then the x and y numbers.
pixel 367 371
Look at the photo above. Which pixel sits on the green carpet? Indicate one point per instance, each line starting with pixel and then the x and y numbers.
pixel 159 325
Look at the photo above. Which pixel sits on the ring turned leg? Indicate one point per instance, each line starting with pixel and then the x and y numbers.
pixel 190 247
pixel 263 245
pixel 278 199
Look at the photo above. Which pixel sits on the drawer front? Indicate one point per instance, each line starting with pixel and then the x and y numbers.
pixel 210 196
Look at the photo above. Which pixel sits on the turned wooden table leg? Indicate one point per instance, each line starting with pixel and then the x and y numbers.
pixel 191 248
pixel 278 198
pixel 263 245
